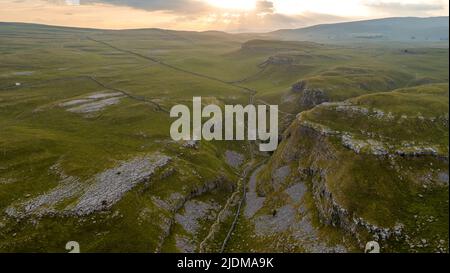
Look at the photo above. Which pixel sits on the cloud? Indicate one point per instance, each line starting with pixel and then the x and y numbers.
pixel 73 2
pixel 267 15
pixel 263 22
pixel 195 6
pixel 263 18
pixel 264 7
pixel 402 7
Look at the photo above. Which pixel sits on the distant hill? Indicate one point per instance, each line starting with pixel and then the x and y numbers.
pixel 401 29
pixel 11 29
pixel 390 29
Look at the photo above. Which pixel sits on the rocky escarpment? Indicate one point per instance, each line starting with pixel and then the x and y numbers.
pixel 312 97
pixel 375 170
pixel 305 97
pixel 280 60
pixel 187 210
pixel 176 206
pixel 374 142
pixel 324 162
pixel 330 210
pixel 280 219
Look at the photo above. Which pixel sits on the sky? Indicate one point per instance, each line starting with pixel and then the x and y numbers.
pixel 200 15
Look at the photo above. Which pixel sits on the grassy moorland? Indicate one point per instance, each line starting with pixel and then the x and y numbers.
pixel 83 107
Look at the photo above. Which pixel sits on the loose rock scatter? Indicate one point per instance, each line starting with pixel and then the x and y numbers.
pixel 111 185
pixel 44 204
pixel 92 103
pixel 94 106
pixel 99 193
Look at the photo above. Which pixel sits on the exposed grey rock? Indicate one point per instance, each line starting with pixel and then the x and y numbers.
pixel 234 159
pixel 297 191
pixel 266 225
pixel 374 147
pixel 4 181
pixel 299 86
pixel 161 203
pixel 331 213
pixel 184 244
pixel 94 106
pixel 99 193
pixel 44 204
pixel 92 103
pixel 417 151
pixel 359 110
pixel 165 224
pixel 253 203
pixel 193 144
pixel 111 185
pixel 304 231
pixel 105 95
pixel 443 177
pixel 378 114
pixel 323 130
pixel 194 211
pixel 68 187
pixel 279 176
pixel 74 102
pixel 172 204
pixel 23 73
pixel 291 223
pixel 369 145
pixel 312 97
pixel 352 144
pixel 280 59
pixel 352 109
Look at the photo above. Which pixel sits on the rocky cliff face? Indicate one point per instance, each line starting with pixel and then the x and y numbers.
pixel 312 97
pixel 373 191
pixel 302 96
pixel 321 162
pixel 317 170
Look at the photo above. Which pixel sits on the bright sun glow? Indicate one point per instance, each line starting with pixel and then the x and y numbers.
pixel 233 4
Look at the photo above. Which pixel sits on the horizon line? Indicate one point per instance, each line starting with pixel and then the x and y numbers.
pixel 212 30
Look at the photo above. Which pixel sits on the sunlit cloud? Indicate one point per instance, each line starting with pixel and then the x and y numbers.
pixel 419 8
pixel 233 4
pixel 228 15
pixel 73 2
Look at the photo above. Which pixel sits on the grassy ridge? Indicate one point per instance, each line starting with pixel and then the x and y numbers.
pixel 41 68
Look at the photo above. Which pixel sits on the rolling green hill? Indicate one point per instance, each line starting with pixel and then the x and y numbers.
pixel 86 155
pixel 402 29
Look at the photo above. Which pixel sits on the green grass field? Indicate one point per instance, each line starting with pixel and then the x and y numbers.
pixel 47 72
